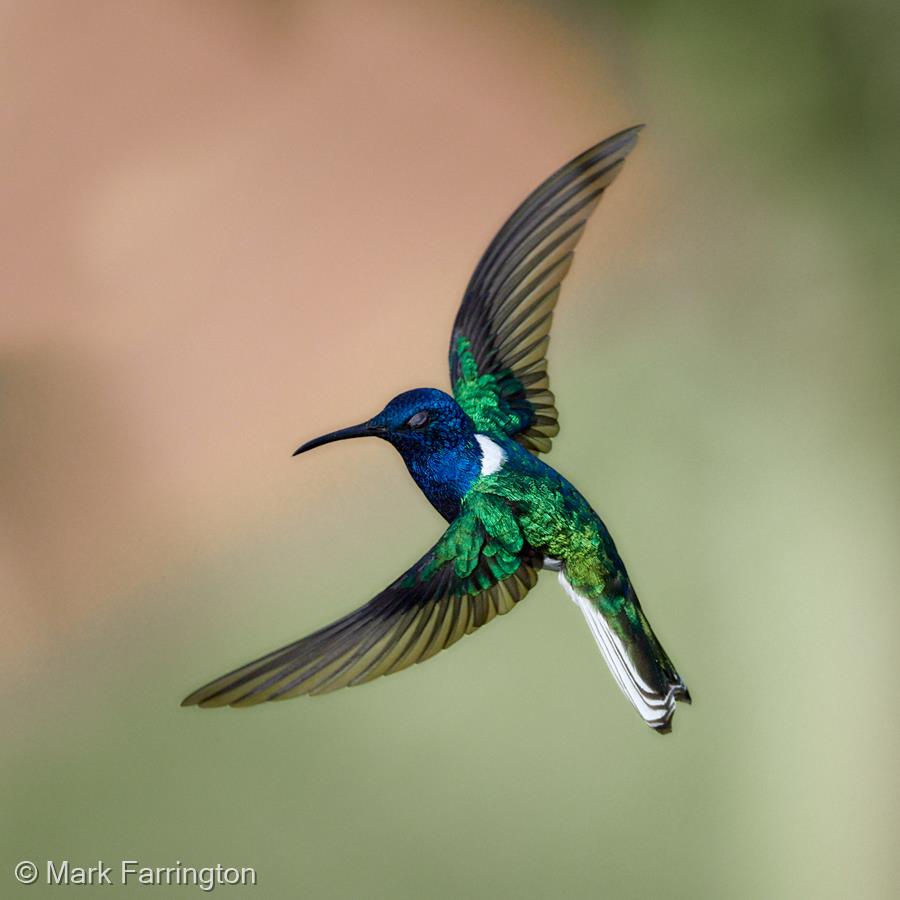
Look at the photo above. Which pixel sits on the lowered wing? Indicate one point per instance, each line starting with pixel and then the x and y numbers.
pixel 470 576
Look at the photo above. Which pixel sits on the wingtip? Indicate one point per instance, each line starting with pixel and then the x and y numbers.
pixel 621 143
pixel 632 132
pixel 203 700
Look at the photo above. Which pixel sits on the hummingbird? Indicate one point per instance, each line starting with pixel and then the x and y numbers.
pixel 475 456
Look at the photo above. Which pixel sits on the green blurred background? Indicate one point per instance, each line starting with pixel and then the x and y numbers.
pixel 231 226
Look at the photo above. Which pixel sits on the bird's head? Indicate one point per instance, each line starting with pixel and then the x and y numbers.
pixel 417 423
pixel 433 435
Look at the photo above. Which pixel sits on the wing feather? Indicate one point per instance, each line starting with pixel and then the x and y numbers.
pixel 429 608
pixel 498 349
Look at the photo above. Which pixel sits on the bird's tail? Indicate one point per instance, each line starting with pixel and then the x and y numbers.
pixel 635 657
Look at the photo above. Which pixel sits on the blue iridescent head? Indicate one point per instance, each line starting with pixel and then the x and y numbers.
pixel 435 438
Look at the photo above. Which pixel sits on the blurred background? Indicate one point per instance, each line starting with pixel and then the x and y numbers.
pixel 230 226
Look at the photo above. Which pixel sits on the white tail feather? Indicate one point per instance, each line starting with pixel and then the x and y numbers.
pixel 656 709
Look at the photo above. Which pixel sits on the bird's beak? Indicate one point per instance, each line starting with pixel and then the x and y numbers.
pixel 367 429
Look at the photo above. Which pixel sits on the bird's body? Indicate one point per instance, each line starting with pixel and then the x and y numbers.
pixel 473 455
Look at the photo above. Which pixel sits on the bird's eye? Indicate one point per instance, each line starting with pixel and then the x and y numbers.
pixel 417 420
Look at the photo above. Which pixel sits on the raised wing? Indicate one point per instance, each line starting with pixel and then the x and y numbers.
pixel 479 569
pixel 498 362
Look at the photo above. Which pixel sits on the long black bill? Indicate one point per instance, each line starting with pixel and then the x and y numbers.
pixel 367 429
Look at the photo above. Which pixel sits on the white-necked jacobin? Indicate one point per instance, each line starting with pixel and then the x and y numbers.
pixel 474 456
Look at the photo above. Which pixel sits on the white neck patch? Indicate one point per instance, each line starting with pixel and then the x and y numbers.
pixel 492 455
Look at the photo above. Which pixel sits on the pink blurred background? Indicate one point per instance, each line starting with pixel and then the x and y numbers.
pixel 208 209
pixel 226 227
